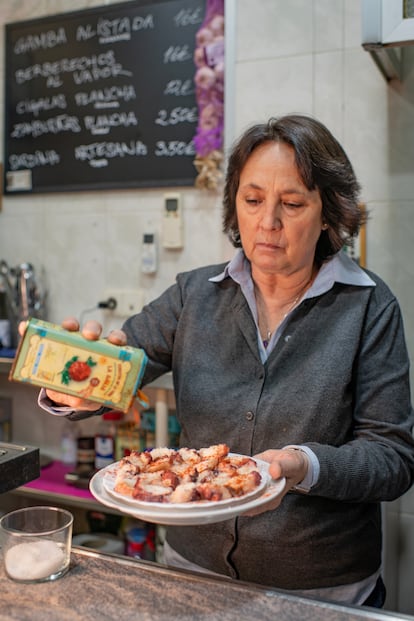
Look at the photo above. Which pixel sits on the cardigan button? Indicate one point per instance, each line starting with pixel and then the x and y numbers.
pixel 249 416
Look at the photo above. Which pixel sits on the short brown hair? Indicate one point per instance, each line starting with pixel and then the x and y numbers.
pixel 322 164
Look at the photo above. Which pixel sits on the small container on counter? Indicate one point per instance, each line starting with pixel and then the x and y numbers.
pixel 36 543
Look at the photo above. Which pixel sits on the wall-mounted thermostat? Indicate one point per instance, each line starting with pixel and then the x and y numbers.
pixel 172 222
pixel 149 254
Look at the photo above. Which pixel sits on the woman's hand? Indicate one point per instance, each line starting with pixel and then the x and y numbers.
pixel 91 331
pixel 292 464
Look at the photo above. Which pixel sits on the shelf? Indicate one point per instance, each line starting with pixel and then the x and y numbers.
pixel 51 486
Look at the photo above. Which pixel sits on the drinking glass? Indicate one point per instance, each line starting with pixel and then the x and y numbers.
pixel 36 543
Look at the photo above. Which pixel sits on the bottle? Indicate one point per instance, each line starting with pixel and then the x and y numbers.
pixel 69 443
pixel 135 538
pixel 105 439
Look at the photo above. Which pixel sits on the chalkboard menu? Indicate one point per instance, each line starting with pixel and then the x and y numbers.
pixel 102 98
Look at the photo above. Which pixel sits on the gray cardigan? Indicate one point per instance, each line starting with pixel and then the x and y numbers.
pixel 339 384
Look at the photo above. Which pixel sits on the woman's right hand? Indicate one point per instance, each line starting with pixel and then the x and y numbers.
pixel 91 331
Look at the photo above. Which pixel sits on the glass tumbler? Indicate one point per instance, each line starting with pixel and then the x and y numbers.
pixel 36 543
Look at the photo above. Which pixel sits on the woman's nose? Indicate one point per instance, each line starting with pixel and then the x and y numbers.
pixel 271 217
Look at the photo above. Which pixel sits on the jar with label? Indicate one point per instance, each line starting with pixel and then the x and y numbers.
pixel 86 456
pixel 105 439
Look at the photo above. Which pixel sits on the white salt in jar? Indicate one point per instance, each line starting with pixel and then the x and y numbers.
pixel 36 543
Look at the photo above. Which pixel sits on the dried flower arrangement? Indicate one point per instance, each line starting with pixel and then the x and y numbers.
pixel 209 81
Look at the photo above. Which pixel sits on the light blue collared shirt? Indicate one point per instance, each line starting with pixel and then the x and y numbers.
pixel 341 268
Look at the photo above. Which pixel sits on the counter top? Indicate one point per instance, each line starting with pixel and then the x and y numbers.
pixel 107 588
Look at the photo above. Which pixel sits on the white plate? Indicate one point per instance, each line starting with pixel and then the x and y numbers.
pixel 109 475
pixel 166 514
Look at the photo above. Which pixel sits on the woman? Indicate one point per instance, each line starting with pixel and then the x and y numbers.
pixel 294 354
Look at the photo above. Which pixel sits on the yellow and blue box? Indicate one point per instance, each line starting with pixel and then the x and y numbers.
pixel 54 358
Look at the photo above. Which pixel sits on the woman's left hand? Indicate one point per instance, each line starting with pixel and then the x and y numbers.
pixel 292 464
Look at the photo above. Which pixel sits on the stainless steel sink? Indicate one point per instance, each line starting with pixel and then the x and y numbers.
pixel 18 465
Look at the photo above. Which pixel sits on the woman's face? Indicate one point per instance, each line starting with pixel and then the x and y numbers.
pixel 279 219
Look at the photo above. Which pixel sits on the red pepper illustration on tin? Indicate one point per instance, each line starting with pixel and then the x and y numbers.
pixel 77 370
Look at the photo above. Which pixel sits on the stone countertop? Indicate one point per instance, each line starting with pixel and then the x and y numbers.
pixel 105 588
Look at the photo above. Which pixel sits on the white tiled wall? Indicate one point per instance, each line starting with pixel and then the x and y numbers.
pixel 296 56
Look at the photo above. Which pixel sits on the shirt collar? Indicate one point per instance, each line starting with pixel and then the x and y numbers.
pixel 340 268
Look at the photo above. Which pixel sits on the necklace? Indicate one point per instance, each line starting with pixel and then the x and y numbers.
pixel 269 333
pixel 291 306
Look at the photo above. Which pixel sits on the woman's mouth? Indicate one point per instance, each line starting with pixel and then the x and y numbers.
pixel 268 246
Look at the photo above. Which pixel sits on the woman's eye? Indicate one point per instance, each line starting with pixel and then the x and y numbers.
pixel 292 205
pixel 252 201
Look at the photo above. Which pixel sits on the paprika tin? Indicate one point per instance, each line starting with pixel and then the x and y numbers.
pixel 52 357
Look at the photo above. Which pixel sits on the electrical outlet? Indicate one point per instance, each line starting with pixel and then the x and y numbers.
pixel 128 301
